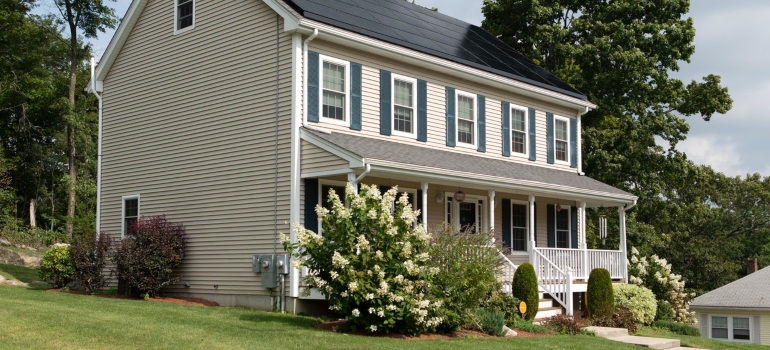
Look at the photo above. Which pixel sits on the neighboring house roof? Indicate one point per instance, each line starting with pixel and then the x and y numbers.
pixel 377 150
pixel 418 28
pixel 751 292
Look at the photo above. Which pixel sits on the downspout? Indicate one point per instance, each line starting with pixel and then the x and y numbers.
pixel 296 121
pixel 580 142
pixel 98 154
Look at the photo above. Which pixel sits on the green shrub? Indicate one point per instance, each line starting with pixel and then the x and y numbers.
pixel 146 259
pixel 525 289
pixel 601 301
pixel 17 233
pixel 563 324
pixel 56 266
pixel 521 324
pixel 89 257
pixel 678 328
pixel 621 318
pixel 655 273
pixel 664 311
pixel 467 266
pixel 637 299
pixel 491 321
pixel 503 302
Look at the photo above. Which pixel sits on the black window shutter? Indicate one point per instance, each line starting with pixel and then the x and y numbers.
pixel 507 223
pixel 573 143
pixel 549 136
pixel 482 119
pixel 355 96
pixel 311 200
pixel 532 135
pixel 506 129
pixel 385 113
pixel 535 226
pixel 422 111
pixel 451 133
pixel 313 86
pixel 418 200
pixel 551 225
pixel 574 227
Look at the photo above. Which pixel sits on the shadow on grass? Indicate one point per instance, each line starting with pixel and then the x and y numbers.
pixel 23 274
pixel 286 319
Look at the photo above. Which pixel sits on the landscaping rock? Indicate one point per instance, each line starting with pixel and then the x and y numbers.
pixel 2 279
pixel 509 332
pixel 4 243
pixel 31 261
pixel 42 249
pixel 10 257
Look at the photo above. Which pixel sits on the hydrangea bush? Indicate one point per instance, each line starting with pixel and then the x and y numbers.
pixel 638 300
pixel 655 274
pixel 371 262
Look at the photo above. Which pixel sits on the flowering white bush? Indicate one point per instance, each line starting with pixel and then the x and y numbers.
pixel 638 300
pixel 655 274
pixel 370 262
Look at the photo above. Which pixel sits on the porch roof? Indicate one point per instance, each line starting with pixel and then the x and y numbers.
pixel 750 292
pixel 426 160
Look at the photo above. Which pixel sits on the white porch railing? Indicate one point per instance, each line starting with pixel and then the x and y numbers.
pixel 612 260
pixel 507 270
pixel 553 280
pixel 583 261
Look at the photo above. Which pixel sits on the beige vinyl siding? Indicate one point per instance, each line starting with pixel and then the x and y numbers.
pixel 316 159
pixel 437 84
pixel 190 125
pixel 764 320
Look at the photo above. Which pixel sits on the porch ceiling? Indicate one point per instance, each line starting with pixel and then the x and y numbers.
pixel 421 162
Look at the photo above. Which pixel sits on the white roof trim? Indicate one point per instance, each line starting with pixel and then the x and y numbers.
pixel 355 160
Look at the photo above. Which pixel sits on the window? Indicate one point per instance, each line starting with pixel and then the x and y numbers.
pixel 335 78
pixel 561 139
pixel 731 328
pixel 518 130
pixel 562 228
pixel 185 14
pixel 466 119
pixel 518 227
pixel 130 215
pixel 404 100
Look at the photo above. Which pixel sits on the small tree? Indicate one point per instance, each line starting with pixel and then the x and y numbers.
pixel 89 257
pixel 146 260
pixel 525 289
pixel 56 266
pixel 601 300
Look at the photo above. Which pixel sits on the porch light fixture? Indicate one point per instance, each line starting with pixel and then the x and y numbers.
pixel 459 196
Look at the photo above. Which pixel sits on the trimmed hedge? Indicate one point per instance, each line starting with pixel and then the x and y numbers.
pixel 601 299
pixel 678 328
pixel 665 312
pixel 525 289
pixel 638 300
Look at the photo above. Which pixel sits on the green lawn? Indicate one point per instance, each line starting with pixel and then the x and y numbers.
pixel 697 342
pixel 52 320
pixel 20 273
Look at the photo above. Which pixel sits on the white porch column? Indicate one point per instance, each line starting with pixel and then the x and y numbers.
pixel 352 180
pixel 623 248
pixel 491 211
pixel 424 205
pixel 531 226
pixel 584 239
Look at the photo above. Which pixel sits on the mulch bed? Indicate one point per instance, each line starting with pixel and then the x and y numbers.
pixel 169 300
pixel 334 326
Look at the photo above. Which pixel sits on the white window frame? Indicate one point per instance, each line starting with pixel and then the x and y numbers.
pixel 566 120
pixel 459 93
pixel 526 234
pixel 348 86
pixel 556 227
pixel 455 208
pixel 123 211
pixel 526 131
pixel 176 18
pixel 413 81
pixel 321 184
pixel 730 334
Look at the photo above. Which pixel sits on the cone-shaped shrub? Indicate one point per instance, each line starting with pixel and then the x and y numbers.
pixel 601 299
pixel 525 289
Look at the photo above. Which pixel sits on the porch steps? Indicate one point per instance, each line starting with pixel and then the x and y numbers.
pixel 621 335
pixel 547 307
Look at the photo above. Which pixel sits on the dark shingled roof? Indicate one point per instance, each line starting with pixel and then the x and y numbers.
pixel 415 27
pixel 371 148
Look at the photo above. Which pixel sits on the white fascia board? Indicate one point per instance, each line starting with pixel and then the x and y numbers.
pixel 557 191
pixel 290 17
pixel 399 53
pixel 353 159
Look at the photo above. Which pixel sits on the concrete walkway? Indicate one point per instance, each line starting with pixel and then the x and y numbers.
pixel 621 335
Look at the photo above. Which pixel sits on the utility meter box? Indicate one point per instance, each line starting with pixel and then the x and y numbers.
pixel 282 262
pixel 266 266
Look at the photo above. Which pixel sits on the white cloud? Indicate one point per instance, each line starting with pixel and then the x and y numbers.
pixel 720 152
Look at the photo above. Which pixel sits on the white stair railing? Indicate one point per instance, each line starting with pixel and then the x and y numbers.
pixel 553 280
pixel 506 273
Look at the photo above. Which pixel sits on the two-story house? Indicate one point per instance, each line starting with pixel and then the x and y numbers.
pixel 237 119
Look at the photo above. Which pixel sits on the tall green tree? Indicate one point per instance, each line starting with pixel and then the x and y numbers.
pixel 90 16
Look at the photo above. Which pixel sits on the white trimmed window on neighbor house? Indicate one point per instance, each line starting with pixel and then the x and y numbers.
pixel 734 328
pixel 184 15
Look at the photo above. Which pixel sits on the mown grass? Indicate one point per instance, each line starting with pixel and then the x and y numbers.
pixel 43 319
pixel 697 342
pixel 19 273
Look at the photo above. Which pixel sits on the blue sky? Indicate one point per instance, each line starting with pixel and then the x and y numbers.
pixel 730 41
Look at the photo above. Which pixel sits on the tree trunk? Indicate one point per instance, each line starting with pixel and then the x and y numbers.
pixel 32 222
pixel 71 129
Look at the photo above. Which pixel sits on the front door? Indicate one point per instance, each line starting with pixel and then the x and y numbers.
pixel 468 217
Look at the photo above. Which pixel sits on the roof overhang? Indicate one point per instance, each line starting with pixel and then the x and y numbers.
pixel 728 308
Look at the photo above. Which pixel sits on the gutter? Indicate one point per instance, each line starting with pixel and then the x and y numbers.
pixel 630 207
pixel 98 153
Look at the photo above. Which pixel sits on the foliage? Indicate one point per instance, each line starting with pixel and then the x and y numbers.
pixel 621 318
pixel 638 300
pixel 664 311
pixel 146 260
pixel 371 262
pixel 525 288
pixel 467 266
pixel 89 257
pixel 563 324
pixel 504 303
pixel 601 300
pixel 526 325
pixel 655 274
pixel 678 328
pixel 32 237
pixel 491 321
pixel 56 266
